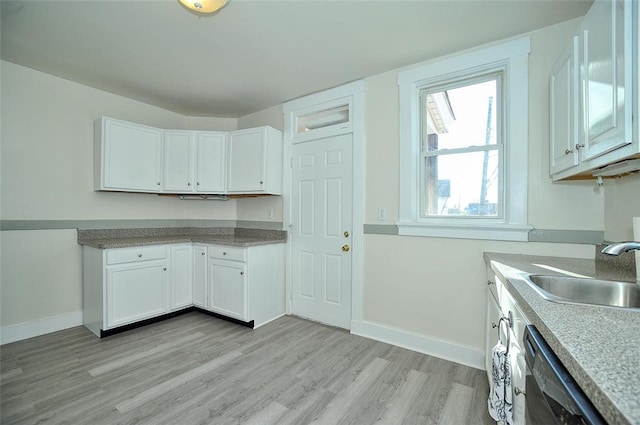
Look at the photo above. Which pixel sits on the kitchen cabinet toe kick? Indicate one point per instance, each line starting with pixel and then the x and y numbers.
pixel 109 332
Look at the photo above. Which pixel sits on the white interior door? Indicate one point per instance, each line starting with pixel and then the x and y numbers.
pixel 321 229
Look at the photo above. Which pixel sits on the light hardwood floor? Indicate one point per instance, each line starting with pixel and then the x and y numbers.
pixel 196 369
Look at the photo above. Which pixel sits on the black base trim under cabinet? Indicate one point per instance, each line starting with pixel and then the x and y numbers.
pixel 223 317
pixel 151 320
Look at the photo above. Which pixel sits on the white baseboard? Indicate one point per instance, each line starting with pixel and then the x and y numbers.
pixel 461 354
pixel 20 331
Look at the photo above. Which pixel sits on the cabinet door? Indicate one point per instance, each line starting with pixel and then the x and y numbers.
pixel 211 161
pixel 563 98
pixel 181 283
pixel 247 160
pixel 200 276
pixel 493 317
pixel 135 291
pixel 605 41
pixel 178 161
pixel 131 157
pixel 518 380
pixel 227 288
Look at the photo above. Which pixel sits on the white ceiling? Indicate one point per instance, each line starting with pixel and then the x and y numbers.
pixel 254 53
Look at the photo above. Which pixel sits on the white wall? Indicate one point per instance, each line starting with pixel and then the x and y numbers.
pixel 436 287
pixel 622 201
pixel 47 174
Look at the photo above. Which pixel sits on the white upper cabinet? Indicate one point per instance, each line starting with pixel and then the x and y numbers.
pixel 136 158
pixel 605 74
pixel 194 161
pixel 599 66
pixel 128 157
pixel 211 162
pixel 178 160
pixel 255 161
pixel 563 96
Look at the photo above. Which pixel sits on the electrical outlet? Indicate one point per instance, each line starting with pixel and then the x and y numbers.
pixel 382 214
pixel 270 214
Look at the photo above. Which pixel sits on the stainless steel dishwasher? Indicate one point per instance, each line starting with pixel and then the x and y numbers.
pixel 553 396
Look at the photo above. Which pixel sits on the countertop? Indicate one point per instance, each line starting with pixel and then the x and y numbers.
pixel 124 238
pixel 600 346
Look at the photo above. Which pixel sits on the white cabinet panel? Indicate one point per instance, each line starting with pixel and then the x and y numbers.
pixel 132 255
pixel 255 161
pixel 246 283
pixel 604 105
pixel 564 123
pixel 128 157
pixel 493 317
pixel 135 292
pixel 178 160
pixel 227 288
pixel 200 276
pixel 211 160
pixel 228 253
pixel 246 161
pixel 195 161
pixel 501 304
pixel 181 284
pixel 605 46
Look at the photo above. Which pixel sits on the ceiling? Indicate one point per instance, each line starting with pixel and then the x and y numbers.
pixel 254 53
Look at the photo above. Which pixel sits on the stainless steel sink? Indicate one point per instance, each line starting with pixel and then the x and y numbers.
pixel 581 290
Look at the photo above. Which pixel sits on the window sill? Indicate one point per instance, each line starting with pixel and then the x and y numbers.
pixel 496 232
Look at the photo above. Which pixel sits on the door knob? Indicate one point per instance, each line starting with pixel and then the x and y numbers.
pixel 346 248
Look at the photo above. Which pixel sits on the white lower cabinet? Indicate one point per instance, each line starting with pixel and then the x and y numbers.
pixel 500 304
pixel 181 287
pixel 127 285
pixel 200 276
pixel 246 283
pixel 135 292
pixel 493 318
pixel 228 288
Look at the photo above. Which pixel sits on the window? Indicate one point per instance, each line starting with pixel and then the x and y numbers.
pixel 463 145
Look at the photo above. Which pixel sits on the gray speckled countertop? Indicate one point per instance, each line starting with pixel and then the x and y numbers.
pixel 123 238
pixel 600 346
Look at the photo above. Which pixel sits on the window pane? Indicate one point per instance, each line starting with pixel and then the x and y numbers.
pixel 460 117
pixel 465 184
pixel 326 118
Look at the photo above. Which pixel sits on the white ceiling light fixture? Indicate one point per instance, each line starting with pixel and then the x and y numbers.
pixel 204 6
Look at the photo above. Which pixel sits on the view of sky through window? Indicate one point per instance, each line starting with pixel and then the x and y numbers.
pixel 460 151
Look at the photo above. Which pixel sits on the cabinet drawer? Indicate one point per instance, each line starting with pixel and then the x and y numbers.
pixel 227 253
pixel 130 255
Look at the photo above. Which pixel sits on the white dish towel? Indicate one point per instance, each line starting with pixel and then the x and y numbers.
pixel 500 396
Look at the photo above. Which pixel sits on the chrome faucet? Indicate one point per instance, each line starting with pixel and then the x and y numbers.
pixel 620 247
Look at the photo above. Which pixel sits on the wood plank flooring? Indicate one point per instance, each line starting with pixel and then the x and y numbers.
pixel 197 369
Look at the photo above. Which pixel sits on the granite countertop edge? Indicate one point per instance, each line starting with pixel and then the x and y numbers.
pixel 598 345
pixel 135 237
pixel 168 240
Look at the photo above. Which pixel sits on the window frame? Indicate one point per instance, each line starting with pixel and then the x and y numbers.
pixel 511 59
pixel 449 84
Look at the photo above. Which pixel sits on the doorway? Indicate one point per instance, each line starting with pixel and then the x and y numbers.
pixel 321 198
pixel 324 204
